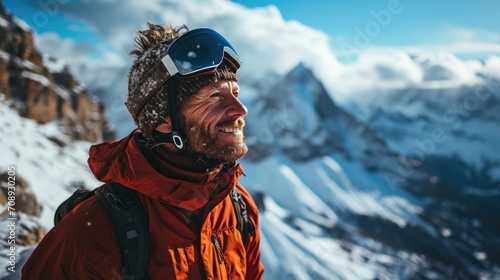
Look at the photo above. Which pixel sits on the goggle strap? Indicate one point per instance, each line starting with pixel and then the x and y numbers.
pixel 176 137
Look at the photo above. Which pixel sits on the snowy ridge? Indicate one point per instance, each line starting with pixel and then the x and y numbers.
pixel 460 122
pixel 311 252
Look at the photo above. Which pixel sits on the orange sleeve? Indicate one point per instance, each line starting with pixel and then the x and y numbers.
pixel 82 246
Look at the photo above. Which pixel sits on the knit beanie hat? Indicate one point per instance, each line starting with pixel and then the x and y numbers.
pixel 147 89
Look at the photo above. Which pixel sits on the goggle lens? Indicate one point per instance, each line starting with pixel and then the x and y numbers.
pixel 197 51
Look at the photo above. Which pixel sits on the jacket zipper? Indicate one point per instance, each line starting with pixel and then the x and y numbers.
pixel 220 255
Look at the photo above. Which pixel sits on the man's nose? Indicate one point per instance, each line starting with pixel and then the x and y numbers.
pixel 236 109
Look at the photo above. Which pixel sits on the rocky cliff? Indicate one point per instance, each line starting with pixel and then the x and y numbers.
pixel 43 88
pixel 40 88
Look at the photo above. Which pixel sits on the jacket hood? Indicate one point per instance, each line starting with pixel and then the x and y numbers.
pixel 123 162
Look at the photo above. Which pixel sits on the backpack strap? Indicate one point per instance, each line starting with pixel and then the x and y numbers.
pixel 65 207
pixel 131 228
pixel 244 225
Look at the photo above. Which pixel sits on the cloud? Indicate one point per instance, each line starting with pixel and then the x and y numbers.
pixel 379 71
pixel 265 41
pixel 491 68
pixel 82 57
pixel 433 65
pixel 52 44
pixel 269 45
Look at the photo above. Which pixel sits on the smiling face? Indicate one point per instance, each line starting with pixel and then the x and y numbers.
pixel 213 122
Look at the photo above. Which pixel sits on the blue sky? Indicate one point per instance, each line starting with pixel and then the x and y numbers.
pixel 49 19
pixel 416 19
pixel 453 26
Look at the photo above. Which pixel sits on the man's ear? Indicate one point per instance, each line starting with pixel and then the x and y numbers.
pixel 165 127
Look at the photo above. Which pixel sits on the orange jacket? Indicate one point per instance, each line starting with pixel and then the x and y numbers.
pixel 183 224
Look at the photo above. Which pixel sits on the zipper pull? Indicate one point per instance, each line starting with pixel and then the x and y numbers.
pixel 220 255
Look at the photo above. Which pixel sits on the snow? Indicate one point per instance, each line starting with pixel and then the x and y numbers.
pixel 36 77
pixel 50 170
pixel 353 189
pixel 4 22
pixel 4 55
pixel 78 89
pixel 306 257
pixel 295 193
pixel 302 199
pixel 54 65
pixel 25 64
pixel 62 92
pixel 21 23
pixel 460 121
pixel 491 68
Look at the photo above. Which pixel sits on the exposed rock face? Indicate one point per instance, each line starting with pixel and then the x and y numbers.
pixel 26 207
pixel 26 201
pixel 43 88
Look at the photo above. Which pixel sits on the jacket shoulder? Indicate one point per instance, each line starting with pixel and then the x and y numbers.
pixel 83 243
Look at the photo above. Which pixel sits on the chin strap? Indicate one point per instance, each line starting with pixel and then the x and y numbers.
pixel 176 137
pixel 201 159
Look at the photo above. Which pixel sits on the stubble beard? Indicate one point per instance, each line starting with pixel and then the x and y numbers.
pixel 200 140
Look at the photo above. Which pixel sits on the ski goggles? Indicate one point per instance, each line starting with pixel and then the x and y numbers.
pixel 199 51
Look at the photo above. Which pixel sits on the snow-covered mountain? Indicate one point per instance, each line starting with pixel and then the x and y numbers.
pixel 337 178
pixel 453 125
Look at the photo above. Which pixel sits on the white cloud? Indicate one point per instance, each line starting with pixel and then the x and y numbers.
pixel 82 57
pixel 379 71
pixel 371 71
pixel 265 41
pixel 444 67
pixel 51 43
pixel 269 44
pixel 492 68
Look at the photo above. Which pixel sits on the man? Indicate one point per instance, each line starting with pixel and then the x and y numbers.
pixel 183 96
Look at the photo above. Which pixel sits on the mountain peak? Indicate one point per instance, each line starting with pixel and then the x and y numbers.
pixel 302 73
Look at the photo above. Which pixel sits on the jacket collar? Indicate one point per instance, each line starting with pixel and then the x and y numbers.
pixel 123 162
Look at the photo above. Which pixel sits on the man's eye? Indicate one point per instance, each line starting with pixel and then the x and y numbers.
pixel 217 94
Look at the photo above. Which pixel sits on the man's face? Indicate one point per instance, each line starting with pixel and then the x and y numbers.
pixel 213 121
